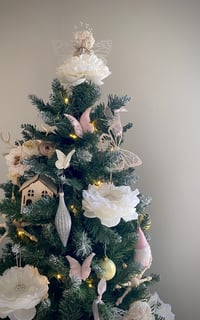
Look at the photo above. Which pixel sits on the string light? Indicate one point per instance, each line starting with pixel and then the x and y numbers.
pixel 74 210
pixel 98 183
pixel 20 233
pixel 58 276
pixel 94 126
pixel 89 283
pixel 66 100
pixel 73 136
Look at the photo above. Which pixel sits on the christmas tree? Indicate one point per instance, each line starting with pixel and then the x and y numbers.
pixel 78 227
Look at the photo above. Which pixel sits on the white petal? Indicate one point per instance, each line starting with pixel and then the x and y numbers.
pixel 23 314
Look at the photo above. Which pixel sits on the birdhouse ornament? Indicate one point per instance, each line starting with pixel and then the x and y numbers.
pixel 36 188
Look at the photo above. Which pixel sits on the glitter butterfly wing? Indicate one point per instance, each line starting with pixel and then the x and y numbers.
pixel 129 159
pixel 63 161
pixel 125 158
pixel 77 271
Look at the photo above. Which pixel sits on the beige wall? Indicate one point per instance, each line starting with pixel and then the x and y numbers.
pixel 154 58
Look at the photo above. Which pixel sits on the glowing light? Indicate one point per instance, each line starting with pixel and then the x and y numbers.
pixel 93 124
pixel 73 136
pixel 20 233
pixel 89 283
pixel 66 100
pixel 98 183
pixel 74 210
pixel 59 276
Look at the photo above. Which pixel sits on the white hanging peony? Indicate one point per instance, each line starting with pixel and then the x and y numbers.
pixel 110 203
pixel 21 290
pixel 139 310
pixel 86 67
pixel 160 308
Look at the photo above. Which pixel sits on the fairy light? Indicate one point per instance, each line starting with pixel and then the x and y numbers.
pixel 58 276
pixel 94 126
pixel 73 136
pixel 20 233
pixel 74 209
pixel 98 183
pixel 66 100
pixel 89 283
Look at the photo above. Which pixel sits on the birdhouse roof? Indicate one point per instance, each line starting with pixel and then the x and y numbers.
pixel 48 182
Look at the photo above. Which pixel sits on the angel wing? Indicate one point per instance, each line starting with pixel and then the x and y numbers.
pixel 82 126
pixel 77 271
pixel 102 49
pixel 63 161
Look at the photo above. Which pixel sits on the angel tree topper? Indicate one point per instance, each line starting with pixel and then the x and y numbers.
pixel 84 65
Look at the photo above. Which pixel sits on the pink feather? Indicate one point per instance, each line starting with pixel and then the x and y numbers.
pixel 101 288
pixel 85 121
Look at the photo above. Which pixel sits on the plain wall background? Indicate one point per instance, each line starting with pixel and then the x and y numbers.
pixel 154 58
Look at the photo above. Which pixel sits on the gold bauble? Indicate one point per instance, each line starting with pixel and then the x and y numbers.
pixel 109 268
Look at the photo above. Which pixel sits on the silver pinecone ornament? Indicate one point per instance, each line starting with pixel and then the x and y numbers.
pixel 63 220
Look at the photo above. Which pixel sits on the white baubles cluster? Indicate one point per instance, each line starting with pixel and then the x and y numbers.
pixel 110 203
pixel 21 290
pixel 84 65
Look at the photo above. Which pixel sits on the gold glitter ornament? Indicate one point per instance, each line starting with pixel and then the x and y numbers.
pixel 109 268
pixel 144 221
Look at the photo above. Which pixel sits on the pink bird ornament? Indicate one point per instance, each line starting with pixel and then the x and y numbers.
pixel 78 271
pixel 83 125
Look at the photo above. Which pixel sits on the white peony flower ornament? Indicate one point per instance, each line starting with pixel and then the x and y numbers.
pixel 161 309
pixel 139 310
pixel 110 203
pixel 21 290
pixel 84 65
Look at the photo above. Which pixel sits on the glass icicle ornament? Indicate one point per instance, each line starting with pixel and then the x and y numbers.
pixel 63 220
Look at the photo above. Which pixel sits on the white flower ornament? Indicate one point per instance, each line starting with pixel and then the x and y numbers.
pixel 139 310
pixel 110 203
pixel 21 290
